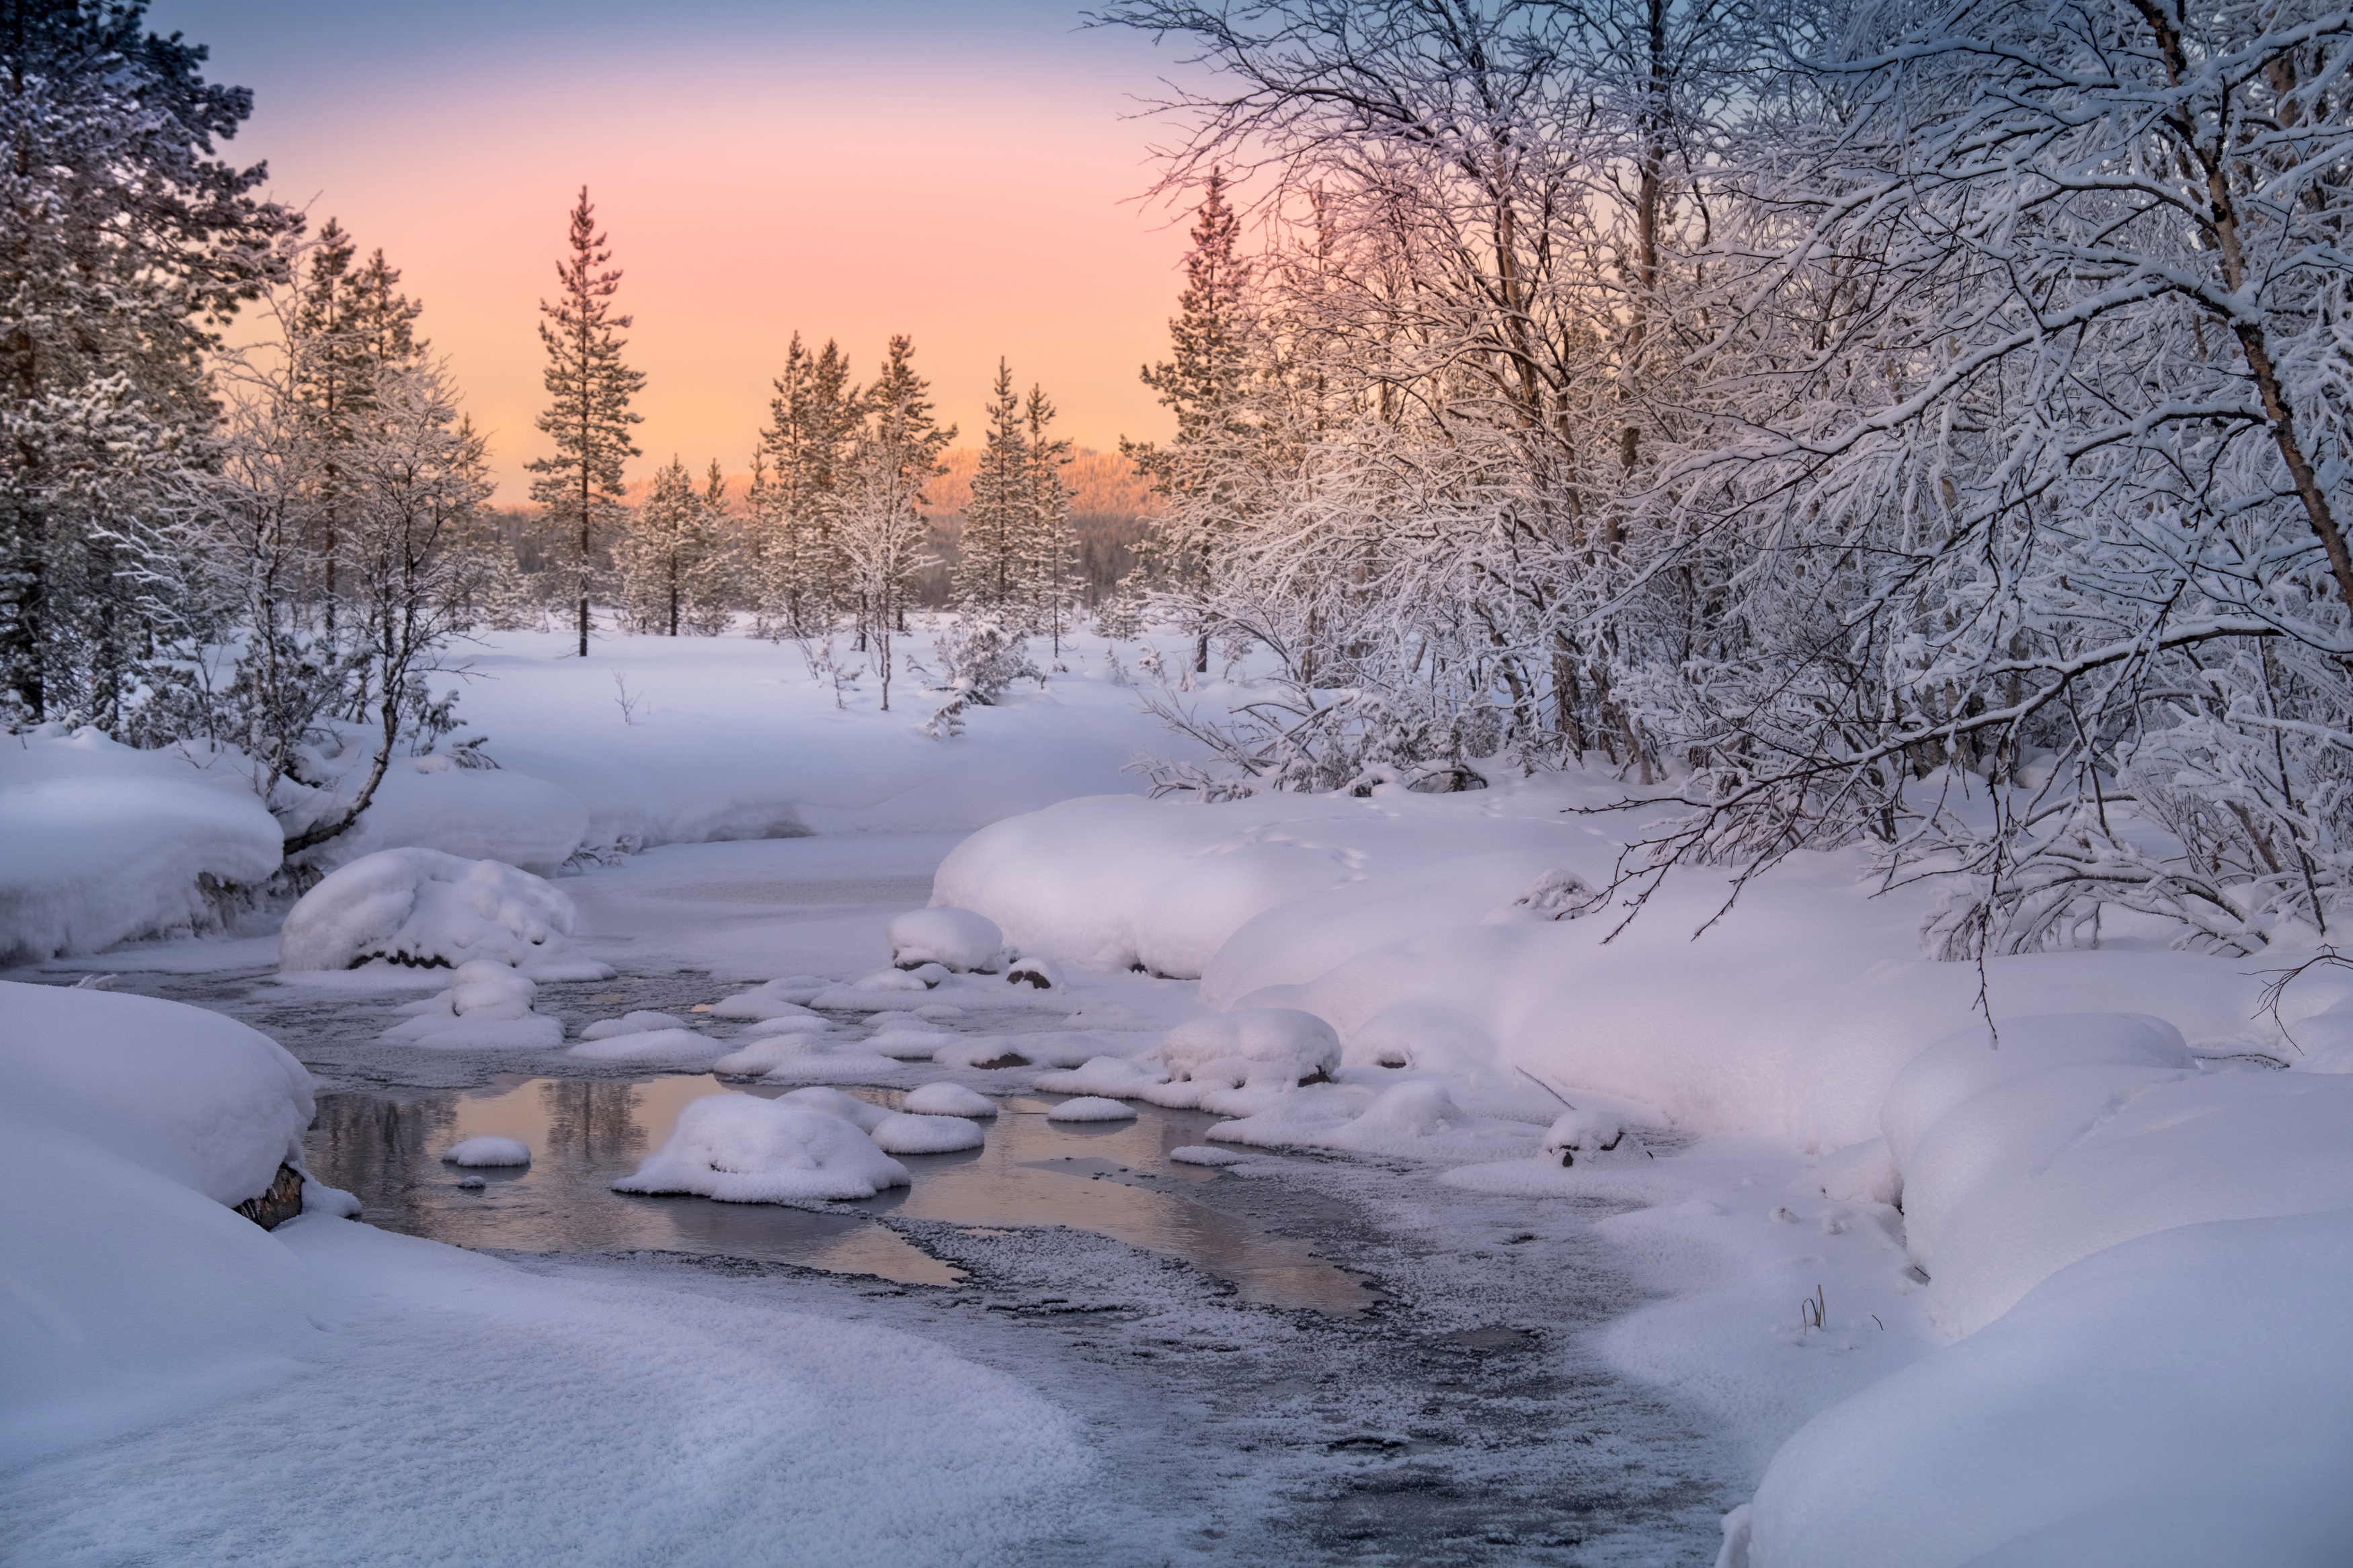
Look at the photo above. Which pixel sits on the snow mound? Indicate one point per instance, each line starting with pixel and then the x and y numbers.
pixel 632 1024
pixel 800 1021
pixel 425 909
pixel 883 991
pixel 945 1098
pixel 132 1291
pixel 1091 1108
pixel 1592 1137
pixel 1115 1077
pixel 1202 1154
pixel 906 1043
pixel 862 1114
pixel 487 1007
pixel 901 1134
pixel 1282 1036
pixel 1037 974
pixel 783 998
pixel 830 1067
pixel 1417 1119
pixel 958 939
pixel 487 1152
pixel 754 1057
pixel 86 863
pixel 740 1149
pixel 1861 1173
pixel 674 1047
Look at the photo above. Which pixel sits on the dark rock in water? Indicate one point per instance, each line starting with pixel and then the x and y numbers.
pixel 281 1203
pixel 1009 1059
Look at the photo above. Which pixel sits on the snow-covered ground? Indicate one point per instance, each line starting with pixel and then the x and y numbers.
pixel 2103 1325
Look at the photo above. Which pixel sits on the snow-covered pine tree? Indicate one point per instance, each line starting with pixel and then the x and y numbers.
pixel 672 559
pixel 1200 470
pixel 1049 550
pixel 125 241
pixel 799 574
pixel 589 414
pixel 993 561
pixel 882 531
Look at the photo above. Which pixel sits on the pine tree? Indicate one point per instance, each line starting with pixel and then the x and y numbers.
pixel 672 561
pixel 590 416
pixel 882 533
pixel 812 420
pixel 123 242
pixel 992 573
pixel 1207 384
pixel 1049 550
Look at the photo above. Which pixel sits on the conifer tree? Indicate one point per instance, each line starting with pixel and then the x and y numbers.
pixel 123 241
pixel 672 561
pixel 897 453
pixel 1048 550
pixel 812 421
pixel 589 414
pixel 993 570
pixel 1206 384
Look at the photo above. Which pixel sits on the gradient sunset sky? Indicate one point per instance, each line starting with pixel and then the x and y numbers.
pixel 961 173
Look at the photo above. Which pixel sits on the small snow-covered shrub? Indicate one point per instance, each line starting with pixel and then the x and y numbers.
pixel 491 1153
pixel 740 1149
pixel 426 910
pixel 1276 1036
pixel 958 939
pixel 980 659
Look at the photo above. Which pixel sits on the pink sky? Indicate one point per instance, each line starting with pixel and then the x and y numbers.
pixel 960 174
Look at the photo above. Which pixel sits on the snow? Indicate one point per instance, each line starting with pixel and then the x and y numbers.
pixel 1284 1038
pixel 487 1152
pixel 925 1135
pixel 958 940
pixel 1591 1136
pixel 127 1125
pixel 1091 1108
pixel 740 1149
pixel 772 999
pixel 487 1007
pixel 671 1048
pixel 473 813
pixel 100 844
pixel 636 1022
pixel 423 908
pixel 945 1098
pixel 1114 1078
pixel 1037 974
pixel 1201 1154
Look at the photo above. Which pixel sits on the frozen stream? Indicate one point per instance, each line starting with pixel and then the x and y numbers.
pixel 1300 1360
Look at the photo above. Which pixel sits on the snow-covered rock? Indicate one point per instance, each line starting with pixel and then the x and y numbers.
pixel 1592 1137
pixel 129 1290
pixel 423 908
pixel 904 1134
pixel 669 1047
pixel 487 1152
pixel 738 1148
pixel 958 940
pixel 487 1007
pixel 1037 974
pixel 1091 1108
pixel 636 1022
pixel 1202 1154
pixel 1282 1038
pixel 784 998
pixel 1114 1078
pixel 944 1099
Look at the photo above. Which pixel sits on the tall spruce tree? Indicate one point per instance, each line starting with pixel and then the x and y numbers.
pixel 799 563
pixel 673 560
pixel 992 573
pixel 589 416
pixel 1206 384
pixel 1048 550
pixel 882 535
pixel 124 242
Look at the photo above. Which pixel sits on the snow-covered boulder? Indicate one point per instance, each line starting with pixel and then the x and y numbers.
pixel 903 1134
pixel 487 1007
pixel 785 998
pixel 1592 1137
pixel 487 1153
pixel 130 1288
pixel 1091 1108
pixel 948 1099
pixel 959 940
pixel 1282 1038
pixel 424 908
pixel 740 1149
pixel 1037 974
pixel 636 1023
pixel 1115 1077
pixel 665 1047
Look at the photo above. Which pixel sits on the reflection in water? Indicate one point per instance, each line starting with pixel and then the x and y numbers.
pixel 1112 1178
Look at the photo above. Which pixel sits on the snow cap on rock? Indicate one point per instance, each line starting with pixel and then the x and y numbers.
pixel 740 1149
pixel 425 909
pixel 959 938
pixel 1272 1035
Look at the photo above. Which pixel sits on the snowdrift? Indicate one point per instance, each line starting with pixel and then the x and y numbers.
pixel 742 1150
pixel 127 1126
pixel 100 844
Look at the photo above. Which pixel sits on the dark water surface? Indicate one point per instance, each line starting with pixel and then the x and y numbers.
pixel 1111 1178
